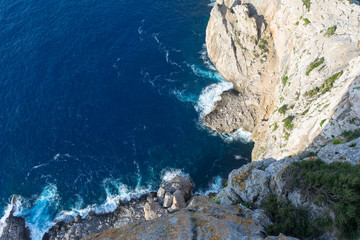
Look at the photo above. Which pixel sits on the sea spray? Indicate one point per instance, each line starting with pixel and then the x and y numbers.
pixel 39 217
pixel 214 187
pixel 168 174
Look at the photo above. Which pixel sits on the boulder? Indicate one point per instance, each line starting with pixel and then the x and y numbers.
pixel 153 210
pixel 178 201
pixel 180 183
pixel 168 200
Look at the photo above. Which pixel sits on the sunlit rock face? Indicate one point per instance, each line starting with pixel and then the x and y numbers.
pixel 295 68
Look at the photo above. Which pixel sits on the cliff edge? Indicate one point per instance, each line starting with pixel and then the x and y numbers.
pixel 295 67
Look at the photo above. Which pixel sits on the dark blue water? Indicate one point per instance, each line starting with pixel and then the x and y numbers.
pixel 101 98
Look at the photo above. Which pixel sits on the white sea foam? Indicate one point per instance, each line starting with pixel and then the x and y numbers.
pixel 214 187
pixel 4 217
pixel 39 216
pixel 206 103
pixel 209 96
pixel 198 71
pixel 168 174
pixel 212 3
pixel 184 96
pixel 205 58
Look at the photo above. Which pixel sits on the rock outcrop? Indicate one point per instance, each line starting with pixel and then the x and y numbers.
pixel 14 227
pixel 295 70
pixel 204 220
pixel 171 197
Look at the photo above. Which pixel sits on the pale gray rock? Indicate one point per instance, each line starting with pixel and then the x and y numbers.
pixel 266 48
pixel 168 199
pixel 206 221
pixel 345 152
pixel 195 201
pixel 178 201
pixel 153 210
pixel 161 192
pixel 180 183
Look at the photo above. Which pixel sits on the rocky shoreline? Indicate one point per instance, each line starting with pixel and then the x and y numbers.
pixel 171 203
pixel 173 212
pixel 296 75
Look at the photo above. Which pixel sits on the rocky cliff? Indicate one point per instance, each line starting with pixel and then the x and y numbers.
pixel 295 67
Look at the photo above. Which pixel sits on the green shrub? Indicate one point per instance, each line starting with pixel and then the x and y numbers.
pixel 330 31
pixel 352 145
pixel 310 154
pixel 322 122
pixel 288 122
pixel 287 135
pixel 305 112
pixel 351 135
pixel 336 141
pixel 248 205
pixel 306 21
pixel 275 126
pixel 326 86
pixel 214 200
pixel 307 4
pixel 263 45
pixel 317 62
pixel 291 220
pixel 283 109
pixel 337 185
pixel 284 80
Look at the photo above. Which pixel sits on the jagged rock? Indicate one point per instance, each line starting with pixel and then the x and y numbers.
pixel 196 200
pixel 207 221
pixel 178 201
pixel 180 183
pixel 126 213
pixel 345 152
pixel 168 200
pixel 254 181
pixel 228 196
pixel 153 210
pixel 161 192
pixel 14 227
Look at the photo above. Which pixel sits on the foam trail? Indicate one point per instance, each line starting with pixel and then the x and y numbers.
pixel 185 97
pixel 198 71
pixel 205 57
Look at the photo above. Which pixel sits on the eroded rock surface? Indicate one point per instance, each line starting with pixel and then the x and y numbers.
pixel 206 221
pixel 14 227
pixel 170 197
pixel 296 70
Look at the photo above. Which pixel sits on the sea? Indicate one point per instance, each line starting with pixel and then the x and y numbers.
pixel 101 101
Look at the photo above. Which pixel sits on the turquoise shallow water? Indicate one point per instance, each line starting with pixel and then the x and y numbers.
pixel 100 100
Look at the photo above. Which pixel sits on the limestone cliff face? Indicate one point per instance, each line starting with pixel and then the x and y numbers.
pixel 296 69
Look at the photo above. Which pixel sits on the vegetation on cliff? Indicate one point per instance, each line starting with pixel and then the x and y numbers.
pixel 291 220
pixel 335 185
